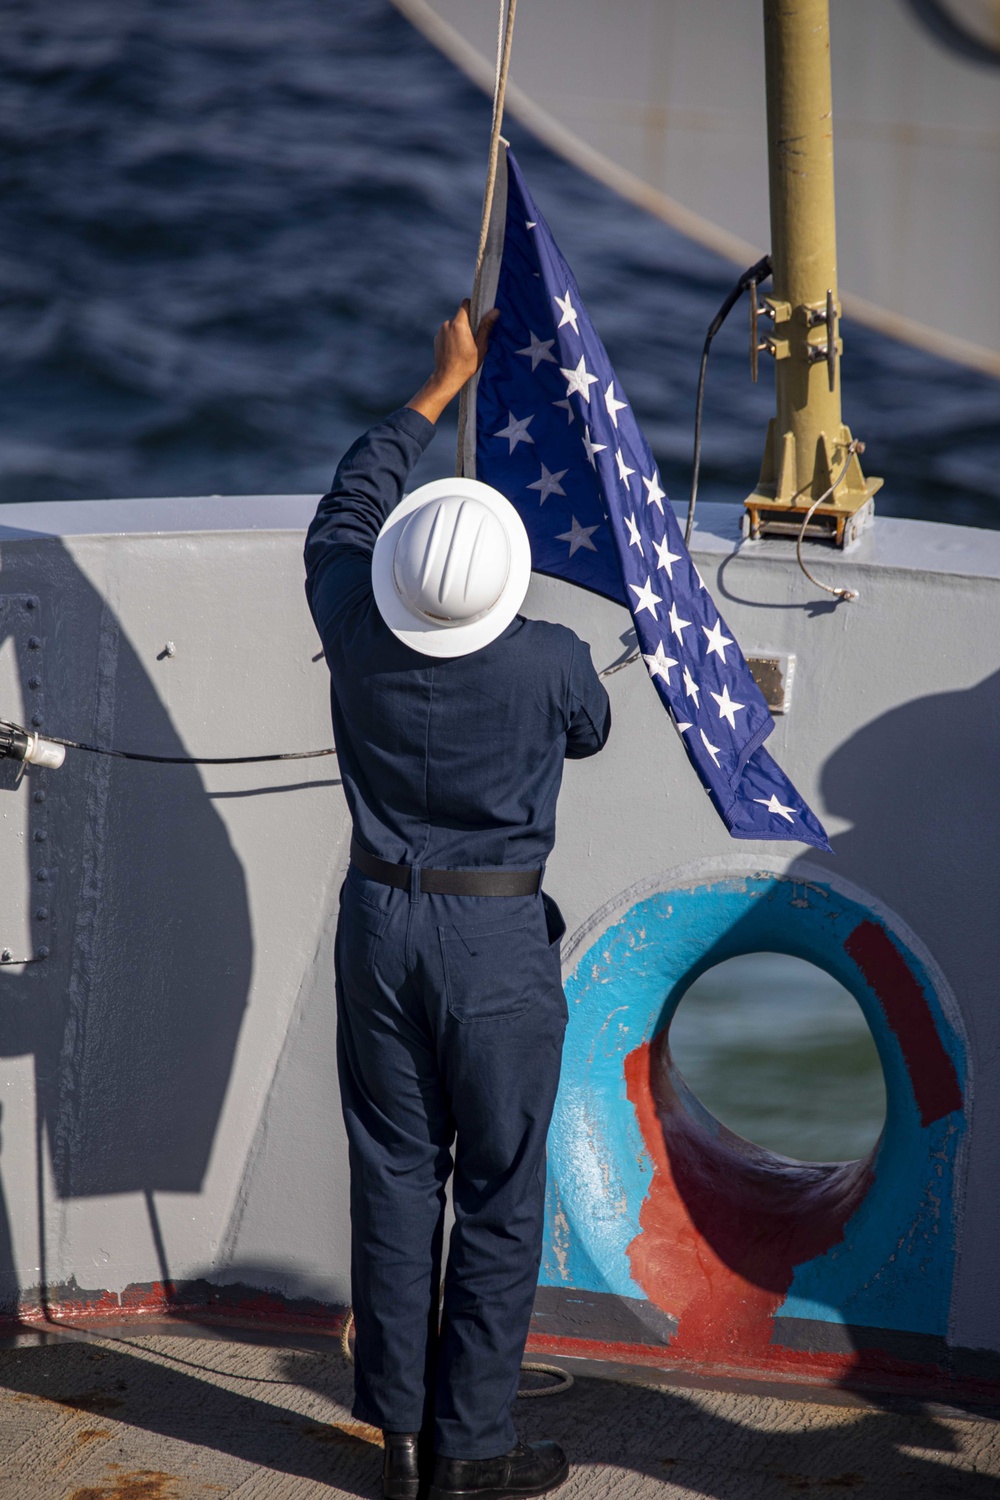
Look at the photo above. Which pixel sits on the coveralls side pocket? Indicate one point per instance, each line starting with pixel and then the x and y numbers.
pixel 555 922
pixel 492 971
pixel 362 924
pixel 555 929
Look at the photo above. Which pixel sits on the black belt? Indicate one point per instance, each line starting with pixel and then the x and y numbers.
pixel 448 882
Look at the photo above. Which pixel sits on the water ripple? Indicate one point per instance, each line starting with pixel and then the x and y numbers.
pixel 229 232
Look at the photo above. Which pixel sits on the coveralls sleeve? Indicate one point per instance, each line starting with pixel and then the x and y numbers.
pixel 589 707
pixel 368 484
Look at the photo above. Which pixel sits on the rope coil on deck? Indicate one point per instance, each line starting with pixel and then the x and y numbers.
pixel 564 1380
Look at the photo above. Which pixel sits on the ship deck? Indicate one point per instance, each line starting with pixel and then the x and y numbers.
pixel 166 1417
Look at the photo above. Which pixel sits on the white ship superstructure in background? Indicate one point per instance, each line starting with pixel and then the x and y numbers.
pixel 664 100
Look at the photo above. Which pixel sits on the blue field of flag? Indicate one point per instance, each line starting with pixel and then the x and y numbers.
pixel 556 435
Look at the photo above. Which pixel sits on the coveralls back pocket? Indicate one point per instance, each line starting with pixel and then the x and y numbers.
pixel 495 969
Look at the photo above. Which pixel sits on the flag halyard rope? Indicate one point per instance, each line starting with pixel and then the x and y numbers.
pixel 505 36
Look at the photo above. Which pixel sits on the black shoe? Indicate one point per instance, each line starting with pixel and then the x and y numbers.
pixel 531 1469
pixel 400 1470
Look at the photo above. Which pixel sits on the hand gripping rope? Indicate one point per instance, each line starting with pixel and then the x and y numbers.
pixel 505 36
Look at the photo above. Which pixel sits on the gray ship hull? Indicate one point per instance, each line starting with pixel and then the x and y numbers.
pixel 172 1144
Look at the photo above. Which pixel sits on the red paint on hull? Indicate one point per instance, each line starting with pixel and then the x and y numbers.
pixel 866 1370
pixel 725 1223
pixel 158 1301
pixel 932 1072
pixel 159 1305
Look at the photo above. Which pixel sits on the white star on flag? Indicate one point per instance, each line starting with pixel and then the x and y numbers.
pixel 549 484
pixel 713 750
pixel 516 431
pixel 538 350
pixel 569 312
pixel 634 537
pixel 677 625
pixel 774 806
pixel 552 356
pixel 659 664
pixel 623 469
pixel 654 496
pixel 613 406
pixel 727 708
pixel 578 536
pixel 579 379
pixel 717 642
pixel 592 447
pixel 645 598
pixel 665 559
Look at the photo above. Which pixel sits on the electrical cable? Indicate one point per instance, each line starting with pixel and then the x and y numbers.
pixel 166 760
pixel 847 594
pixel 752 277
pixel 191 760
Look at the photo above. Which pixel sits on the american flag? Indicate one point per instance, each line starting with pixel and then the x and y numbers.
pixel 556 435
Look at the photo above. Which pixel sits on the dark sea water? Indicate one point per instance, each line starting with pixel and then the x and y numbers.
pixel 229 229
pixel 228 233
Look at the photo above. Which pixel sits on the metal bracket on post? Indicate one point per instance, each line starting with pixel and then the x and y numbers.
pixel 776 343
pixel 754 346
pixel 831 351
pixel 758 345
pixel 781 498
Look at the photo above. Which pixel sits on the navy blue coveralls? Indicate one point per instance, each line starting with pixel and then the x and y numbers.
pixel 450 1008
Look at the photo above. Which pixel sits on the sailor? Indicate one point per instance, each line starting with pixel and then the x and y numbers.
pixel 452 714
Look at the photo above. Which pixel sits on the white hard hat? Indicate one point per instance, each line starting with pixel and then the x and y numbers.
pixel 451 567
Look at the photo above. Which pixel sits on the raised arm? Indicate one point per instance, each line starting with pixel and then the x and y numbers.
pixel 370 477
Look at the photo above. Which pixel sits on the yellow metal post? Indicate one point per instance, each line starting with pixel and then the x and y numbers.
pixel 807 441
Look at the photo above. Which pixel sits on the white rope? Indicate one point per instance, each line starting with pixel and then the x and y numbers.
pixel 505 36
pixel 345 1336
pixel 501 28
pixel 848 594
pixel 563 1379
